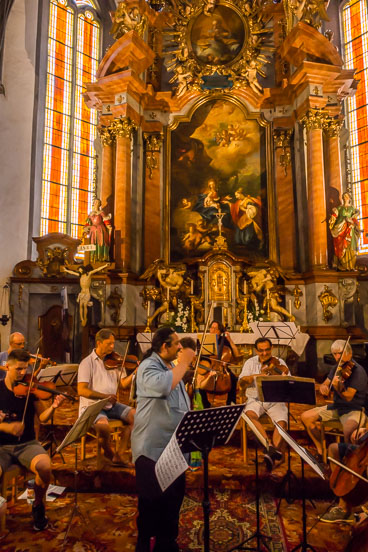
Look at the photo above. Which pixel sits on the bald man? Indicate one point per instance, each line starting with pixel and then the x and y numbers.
pixel 16 341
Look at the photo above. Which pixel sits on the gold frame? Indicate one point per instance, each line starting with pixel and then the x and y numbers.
pixel 259 117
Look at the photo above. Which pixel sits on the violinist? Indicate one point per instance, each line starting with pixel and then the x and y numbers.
pixel 349 384
pixel 343 511
pixel 17 435
pixel 226 350
pixel 16 341
pixel 96 381
pixel 256 366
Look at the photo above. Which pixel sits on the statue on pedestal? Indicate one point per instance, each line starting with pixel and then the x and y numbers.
pixel 98 227
pixel 345 230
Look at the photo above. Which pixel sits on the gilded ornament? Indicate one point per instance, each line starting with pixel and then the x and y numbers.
pixel 114 302
pixel 153 147
pixel 228 38
pixel 328 301
pixel 314 119
pixel 297 293
pixel 128 18
pixel 332 127
pixel 282 141
pixel 122 127
pixel 219 282
pixel 107 137
pixel 311 12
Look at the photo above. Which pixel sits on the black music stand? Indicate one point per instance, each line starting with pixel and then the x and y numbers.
pixel 307 457
pixel 261 537
pixel 79 429
pixel 287 389
pixel 202 430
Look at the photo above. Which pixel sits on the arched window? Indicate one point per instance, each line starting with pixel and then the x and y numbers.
pixel 355 32
pixel 70 127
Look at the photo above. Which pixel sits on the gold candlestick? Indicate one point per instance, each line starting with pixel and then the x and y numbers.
pixel 245 326
pixel 193 325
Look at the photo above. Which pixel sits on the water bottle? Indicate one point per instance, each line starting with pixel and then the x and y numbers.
pixel 30 491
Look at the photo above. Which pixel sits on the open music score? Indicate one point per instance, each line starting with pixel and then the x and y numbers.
pixel 209 343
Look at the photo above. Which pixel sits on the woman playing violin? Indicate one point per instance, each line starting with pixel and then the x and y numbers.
pixel 255 366
pixel 17 435
pixel 349 384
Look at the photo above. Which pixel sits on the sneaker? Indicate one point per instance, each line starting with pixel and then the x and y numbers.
pixel 336 515
pixel 268 462
pixel 40 521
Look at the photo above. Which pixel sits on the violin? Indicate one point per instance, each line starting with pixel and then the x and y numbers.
pixel 42 391
pixel 115 361
pixel 346 370
pixel 273 367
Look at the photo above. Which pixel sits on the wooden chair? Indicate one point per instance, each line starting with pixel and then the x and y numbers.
pixel 11 479
pixel 267 424
pixel 115 427
pixel 334 428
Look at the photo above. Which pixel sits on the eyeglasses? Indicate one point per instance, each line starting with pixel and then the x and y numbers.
pixel 19 342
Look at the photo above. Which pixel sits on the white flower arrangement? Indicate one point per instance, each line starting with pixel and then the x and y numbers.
pixel 182 317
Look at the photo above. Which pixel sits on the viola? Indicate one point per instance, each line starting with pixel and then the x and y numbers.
pixel 42 391
pixel 273 367
pixel 115 361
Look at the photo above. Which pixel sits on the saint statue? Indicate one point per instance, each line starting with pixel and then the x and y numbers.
pixel 344 227
pixel 98 228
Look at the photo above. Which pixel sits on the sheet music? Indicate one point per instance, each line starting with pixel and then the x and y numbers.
pixel 303 453
pixel 170 465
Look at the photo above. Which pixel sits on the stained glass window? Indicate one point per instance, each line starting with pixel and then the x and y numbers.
pixel 70 127
pixel 355 28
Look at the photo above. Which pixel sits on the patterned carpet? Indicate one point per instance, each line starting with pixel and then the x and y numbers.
pixel 107 497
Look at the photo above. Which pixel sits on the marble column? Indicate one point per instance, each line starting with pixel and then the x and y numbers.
pixel 107 169
pixel 285 198
pixel 332 130
pixel 122 129
pixel 152 203
pixel 316 195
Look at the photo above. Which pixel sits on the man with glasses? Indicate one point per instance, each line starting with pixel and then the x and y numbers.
pixel 349 395
pixel 255 407
pixel 16 341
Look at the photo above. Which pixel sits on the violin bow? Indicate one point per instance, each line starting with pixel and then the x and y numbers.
pixel 339 363
pixel 122 368
pixel 29 389
pixel 201 346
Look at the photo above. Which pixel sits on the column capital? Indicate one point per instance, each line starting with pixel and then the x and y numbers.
pixel 332 127
pixel 122 127
pixel 314 119
pixel 106 136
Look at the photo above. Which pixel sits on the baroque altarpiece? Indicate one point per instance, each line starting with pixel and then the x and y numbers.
pixel 222 164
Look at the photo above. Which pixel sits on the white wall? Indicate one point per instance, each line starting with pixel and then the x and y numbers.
pixel 16 119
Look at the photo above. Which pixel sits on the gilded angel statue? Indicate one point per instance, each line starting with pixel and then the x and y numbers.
pixel 127 19
pixel 171 279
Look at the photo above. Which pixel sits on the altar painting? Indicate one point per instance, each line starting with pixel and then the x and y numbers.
pixel 218 172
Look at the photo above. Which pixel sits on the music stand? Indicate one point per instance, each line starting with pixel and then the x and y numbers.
pixel 201 430
pixel 60 374
pixel 261 538
pixel 286 389
pixel 79 429
pixel 307 457
pixel 209 344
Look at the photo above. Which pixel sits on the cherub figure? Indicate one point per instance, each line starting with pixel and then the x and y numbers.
pixel 266 281
pixel 171 279
pixel 85 274
pixel 127 19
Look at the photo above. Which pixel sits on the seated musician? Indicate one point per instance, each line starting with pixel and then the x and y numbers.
pixel 17 440
pixel 343 511
pixel 348 397
pixel 96 382
pixel 17 341
pixel 255 408
pixel 225 350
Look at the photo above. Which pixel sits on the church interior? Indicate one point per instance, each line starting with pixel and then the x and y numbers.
pixel 174 163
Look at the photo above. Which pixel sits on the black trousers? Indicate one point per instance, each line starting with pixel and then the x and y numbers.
pixel 158 512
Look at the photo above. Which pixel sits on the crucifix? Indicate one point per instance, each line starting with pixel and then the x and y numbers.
pixel 220 241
